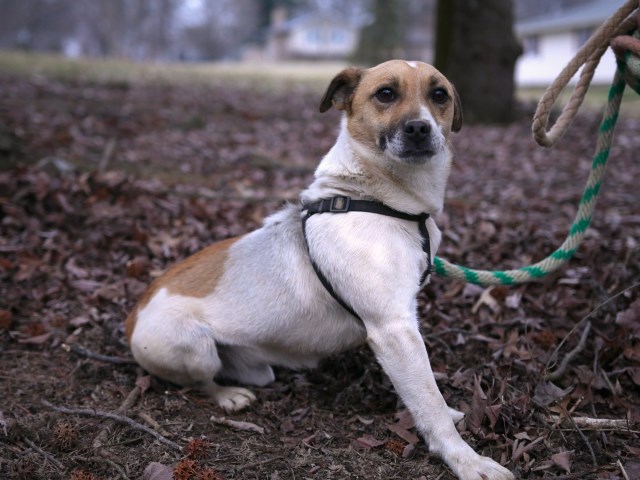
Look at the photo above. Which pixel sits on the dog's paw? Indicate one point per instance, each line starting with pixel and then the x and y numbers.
pixel 233 399
pixel 477 467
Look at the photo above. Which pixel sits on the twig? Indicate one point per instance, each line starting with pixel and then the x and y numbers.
pixel 259 463
pixel 577 475
pixel 584 319
pixel 589 423
pixel 622 470
pixel 112 464
pixel 107 154
pixel 607 381
pixel 561 370
pixel 151 421
pixel 85 352
pixel 118 418
pixel 127 403
pixel 521 450
pixel 46 455
pixel 246 426
pixel 594 460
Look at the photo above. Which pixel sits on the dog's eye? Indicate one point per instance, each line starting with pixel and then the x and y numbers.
pixel 386 95
pixel 439 95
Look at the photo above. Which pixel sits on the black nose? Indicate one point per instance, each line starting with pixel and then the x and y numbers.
pixel 417 130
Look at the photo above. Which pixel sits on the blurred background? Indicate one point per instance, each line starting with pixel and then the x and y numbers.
pixel 361 31
pixel 135 132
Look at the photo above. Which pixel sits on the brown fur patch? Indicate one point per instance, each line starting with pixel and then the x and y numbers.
pixel 196 276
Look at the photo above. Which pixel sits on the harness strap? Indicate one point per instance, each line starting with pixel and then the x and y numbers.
pixel 344 204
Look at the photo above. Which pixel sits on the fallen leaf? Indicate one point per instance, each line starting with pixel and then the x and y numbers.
pixel 246 426
pixel 79 320
pixel 478 407
pixel 367 442
pixel 403 433
pixel 408 450
pixel 513 301
pixel 493 414
pixel 300 413
pixel 634 373
pixel 5 319
pixel 520 449
pixel 632 468
pixel 287 426
pixel 364 421
pixel 546 393
pixel 630 318
pixel 486 299
pixel 404 419
pixel 75 270
pixel 3 423
pixel 36 340
pixel 157 471
pixel 143 382
pixel 563 460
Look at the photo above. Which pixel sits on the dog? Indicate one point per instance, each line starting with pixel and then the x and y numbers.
pixel 342 270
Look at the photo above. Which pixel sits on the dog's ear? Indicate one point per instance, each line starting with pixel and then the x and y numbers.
pixel 456 125
pixel 341 89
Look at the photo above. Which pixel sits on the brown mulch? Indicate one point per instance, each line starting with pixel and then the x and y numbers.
pixel 104 186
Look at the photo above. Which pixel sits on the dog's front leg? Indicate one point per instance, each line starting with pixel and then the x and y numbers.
pixel 400 350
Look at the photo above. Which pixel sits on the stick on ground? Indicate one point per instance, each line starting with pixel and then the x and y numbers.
pixel 589 423
pixel 46 455
pixel 89 412
pixel 85 352
pixel 246 426
pixel 562 368
pixel 99 459
pixel 128 402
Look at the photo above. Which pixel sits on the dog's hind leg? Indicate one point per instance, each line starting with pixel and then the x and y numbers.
pixel 240 364
pixel 181 349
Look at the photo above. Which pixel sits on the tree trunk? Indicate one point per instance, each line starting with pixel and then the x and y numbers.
pixel 477 50
pixel 384 38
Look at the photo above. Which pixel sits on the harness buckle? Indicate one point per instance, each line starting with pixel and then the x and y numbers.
pixel 340 204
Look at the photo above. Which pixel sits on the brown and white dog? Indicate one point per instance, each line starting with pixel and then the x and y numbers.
pixel 241 305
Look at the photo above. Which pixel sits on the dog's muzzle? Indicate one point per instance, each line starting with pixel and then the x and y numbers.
pixel 415 142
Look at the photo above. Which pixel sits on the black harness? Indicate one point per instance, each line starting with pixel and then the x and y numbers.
pixel 343 204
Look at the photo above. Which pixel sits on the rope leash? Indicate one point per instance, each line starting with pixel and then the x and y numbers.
pixel 628 72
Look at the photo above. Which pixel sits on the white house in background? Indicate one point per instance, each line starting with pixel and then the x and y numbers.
pixel 550 41
pixel 310 36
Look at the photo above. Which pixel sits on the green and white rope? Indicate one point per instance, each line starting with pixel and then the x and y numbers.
pixel 628 71
pixel 578 227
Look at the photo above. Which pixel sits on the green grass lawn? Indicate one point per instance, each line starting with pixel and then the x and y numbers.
pixel 267 76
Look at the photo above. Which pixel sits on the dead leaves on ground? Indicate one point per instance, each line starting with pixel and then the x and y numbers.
pixel 181 168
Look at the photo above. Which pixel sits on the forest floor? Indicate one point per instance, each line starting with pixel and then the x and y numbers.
pixel 104 185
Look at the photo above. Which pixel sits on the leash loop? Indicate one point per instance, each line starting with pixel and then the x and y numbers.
pixel 588 55
pixel 627 50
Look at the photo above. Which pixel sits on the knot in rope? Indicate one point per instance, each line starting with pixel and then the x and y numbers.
pixel 622 31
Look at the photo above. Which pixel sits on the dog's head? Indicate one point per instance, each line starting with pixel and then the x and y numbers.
pixel 402 110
